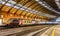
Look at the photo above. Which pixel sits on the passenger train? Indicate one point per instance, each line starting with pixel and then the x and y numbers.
pixel 12 22
pixel 20 22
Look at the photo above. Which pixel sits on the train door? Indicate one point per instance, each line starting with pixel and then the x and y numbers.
pixel 20 22
pixel 1 22
pixel 33 22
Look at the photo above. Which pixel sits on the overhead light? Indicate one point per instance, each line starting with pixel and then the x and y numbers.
pixel 8 4
pixel 40 2
pixel 36 11
pixel 43 4
pixel 27 10
pixel 12 2
pixel 22 9
pixel 2 2
pixel 16 7
pixel 19 5
pixel 37 0
pixel 56 0
pixel 46 6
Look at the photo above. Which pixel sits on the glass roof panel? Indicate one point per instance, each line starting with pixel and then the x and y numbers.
pixel 3 1
pixel 9 4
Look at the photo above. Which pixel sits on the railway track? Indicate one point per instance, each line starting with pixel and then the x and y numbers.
pixel 33 31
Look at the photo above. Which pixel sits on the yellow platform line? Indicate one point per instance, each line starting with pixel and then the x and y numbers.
pixel 53 31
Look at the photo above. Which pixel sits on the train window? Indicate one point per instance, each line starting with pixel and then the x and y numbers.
pixel 25 21
pixel 29 22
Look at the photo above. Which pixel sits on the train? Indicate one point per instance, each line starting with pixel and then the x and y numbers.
pixel 15 22
pixel 12 22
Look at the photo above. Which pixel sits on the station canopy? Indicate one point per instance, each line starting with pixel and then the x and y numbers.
pixel 30 8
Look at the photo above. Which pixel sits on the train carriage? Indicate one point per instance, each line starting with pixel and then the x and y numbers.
pixel 21 22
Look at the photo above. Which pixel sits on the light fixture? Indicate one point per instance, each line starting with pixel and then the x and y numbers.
pixel 33 10
pixel 22 9
pixel 2 2
pixel 16 7
pixel 40 2
pixel 12 2
pixel 36 0
pixel 8 4
pixel 27 10
pixel 19 5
